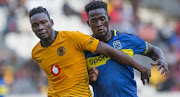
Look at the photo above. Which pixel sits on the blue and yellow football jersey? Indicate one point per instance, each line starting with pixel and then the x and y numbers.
pixel 3 88
pixel 116 80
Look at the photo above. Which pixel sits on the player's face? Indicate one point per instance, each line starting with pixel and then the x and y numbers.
pixel 42 26
pixel 98 20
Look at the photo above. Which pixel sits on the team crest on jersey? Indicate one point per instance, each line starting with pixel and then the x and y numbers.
pixel 117 45
pixel 61 51
pixel 55 70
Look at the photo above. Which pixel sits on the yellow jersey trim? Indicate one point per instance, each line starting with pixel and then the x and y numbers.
pixel 146 50
pixel 115 33
pixel 129 52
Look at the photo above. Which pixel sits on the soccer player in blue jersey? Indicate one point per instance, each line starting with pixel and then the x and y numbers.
pixel 116 80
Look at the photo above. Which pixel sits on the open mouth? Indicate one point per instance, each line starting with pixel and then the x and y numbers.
pixel 100 30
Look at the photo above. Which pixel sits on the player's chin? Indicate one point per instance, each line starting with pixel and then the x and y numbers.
pixel 46 38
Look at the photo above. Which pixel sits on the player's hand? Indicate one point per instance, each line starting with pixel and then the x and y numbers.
pixel 145 75
pixel 93 73
pixel 162 65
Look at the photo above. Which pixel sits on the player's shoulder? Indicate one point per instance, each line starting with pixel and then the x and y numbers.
pixel 68 33
pixel 71 34
pixel 35 47
pixel 36 50
pixel 125 35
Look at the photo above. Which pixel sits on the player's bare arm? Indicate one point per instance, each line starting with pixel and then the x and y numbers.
pixel 122 58
pixel 157 55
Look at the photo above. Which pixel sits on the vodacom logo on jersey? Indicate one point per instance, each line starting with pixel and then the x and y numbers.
pixel 55 70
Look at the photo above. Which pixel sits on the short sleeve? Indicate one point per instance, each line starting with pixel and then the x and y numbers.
pixel 83 42
pixel 139 45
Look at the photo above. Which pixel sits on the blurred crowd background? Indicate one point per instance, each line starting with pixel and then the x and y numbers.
pixel 155 21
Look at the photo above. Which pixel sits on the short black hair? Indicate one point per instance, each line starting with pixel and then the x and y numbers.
pixel 38 9
pixel 95 5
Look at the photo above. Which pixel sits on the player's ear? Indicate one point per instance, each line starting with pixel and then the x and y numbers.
pixel 88 23
pixel 109 19
pixel 52 22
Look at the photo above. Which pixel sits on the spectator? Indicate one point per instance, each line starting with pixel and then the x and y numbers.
pixel 3 86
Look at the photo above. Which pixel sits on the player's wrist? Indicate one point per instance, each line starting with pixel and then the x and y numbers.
pixel 143 69
pixel 161 59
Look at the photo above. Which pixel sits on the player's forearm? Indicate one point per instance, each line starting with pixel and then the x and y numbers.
pixel 118 56
pixel 124 59
pixel 155 54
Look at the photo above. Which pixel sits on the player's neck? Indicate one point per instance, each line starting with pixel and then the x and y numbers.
pixel 107 37
pixel 47 43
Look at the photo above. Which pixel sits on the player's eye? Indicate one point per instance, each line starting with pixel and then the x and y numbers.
pixel 102 18
pixel 93 21
pixel 34 25
pixel 43 22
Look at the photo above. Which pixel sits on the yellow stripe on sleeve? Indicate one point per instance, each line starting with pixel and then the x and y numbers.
pixel 129 52
pixel 115 33
pixel 146 50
